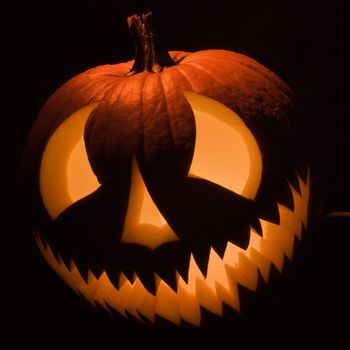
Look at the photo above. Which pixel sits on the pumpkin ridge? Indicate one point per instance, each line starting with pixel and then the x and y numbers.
pixel 260 69
pixel 184 76
pixel 108 69
pixel 96 80
pixel 142 113
pixel 194 65
pixel 178 56
pixel 277 82
pixel 283 108
pixel 95 96
pixel 67 106
pixel 177 71
pixel 66 110
pixel 171 135
pixel 116 102
pixel 91 74
pixel 246 61
pixel 113 86
pixel 91 123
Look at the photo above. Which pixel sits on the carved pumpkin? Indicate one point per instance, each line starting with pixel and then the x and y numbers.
pixel 162 184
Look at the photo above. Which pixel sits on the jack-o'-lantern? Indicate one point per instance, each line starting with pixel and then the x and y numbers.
pixel 160 185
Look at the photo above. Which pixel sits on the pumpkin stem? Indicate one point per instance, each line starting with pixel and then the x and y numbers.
pixel 150 55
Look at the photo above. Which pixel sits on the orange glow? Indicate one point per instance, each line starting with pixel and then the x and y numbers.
pixel 144 224
pixel 238 267
pixel 226 152
pixel 80 178
pixel 65 172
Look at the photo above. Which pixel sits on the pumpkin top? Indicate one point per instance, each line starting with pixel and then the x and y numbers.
pixel 142 101
pixel 150 53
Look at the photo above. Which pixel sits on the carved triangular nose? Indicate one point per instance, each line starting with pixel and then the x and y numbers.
pixel 144 224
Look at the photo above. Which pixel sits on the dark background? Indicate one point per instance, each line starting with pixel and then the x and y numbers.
pixel 306 43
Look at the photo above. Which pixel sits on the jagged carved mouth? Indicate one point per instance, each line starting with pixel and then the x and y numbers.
pixel 220 285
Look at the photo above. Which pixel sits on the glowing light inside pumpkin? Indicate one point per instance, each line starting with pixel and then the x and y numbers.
pixel 144 224
pixel 60 186
pixel 65 172
pixel 80 178
pixel 238 267
pixel 226 152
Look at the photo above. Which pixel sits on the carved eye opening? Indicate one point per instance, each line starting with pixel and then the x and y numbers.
pixel 65 172
pixel 225 153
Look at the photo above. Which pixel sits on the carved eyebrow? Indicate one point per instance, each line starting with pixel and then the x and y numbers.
pixel 226 152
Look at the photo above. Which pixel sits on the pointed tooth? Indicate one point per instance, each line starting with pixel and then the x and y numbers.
pixel 167 303
pixel 304 201
pixel 189 308
pixel 272 253
pixel 284 195
pixel 169 277
pixel 207 297
pixel 201 256
pixel 56 254
pixel 229 295
pixel 65 257
pixel 260 262
pixel 272 214
pixel 183 265
pixel 248 269
pixel 123 294
pixel 216 271
pixel 266 201
pixel 146 277
pixel 294 181
pixel 240 236
pixel 170 258
pixel 256 225
pixel 96 270
pixel 246 274
pixel 90 289
pixel 303 171
pixel 114 278
pixel 146 306
pixel 83 270
pixel 105 291
pixel 290 221
pixel 129 274
pixel 280 236
pixel 237 277
pixel 135 297
pixel 91 277
pixel 220 247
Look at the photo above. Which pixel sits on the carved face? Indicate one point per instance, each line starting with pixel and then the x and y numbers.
pixel 157 195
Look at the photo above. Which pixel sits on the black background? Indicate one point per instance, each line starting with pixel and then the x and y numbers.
pixel 306 43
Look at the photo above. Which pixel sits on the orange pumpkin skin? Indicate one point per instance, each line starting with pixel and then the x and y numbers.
pixel 152 107
pixel 145 115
